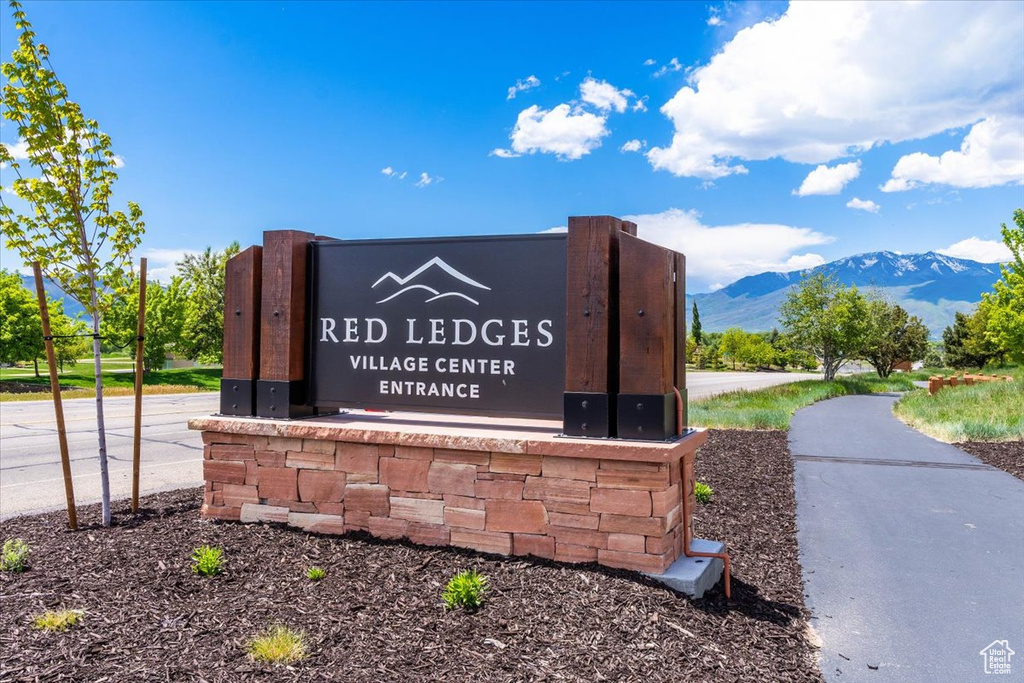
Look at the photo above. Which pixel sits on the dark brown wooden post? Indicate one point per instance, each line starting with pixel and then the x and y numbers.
pixel 140 370
pixel 58 406
pixel 281 389
pixel 591 357
pixel 646 404
pixel 680 287
pixel 242 293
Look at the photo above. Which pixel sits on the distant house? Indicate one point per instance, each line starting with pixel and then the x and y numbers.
pixel 997 657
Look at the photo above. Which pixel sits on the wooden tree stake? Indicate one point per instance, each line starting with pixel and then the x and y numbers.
pixel 58 406
pixel 140 367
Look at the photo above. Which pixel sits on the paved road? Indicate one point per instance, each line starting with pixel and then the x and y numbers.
pixel 30 473
pixel 706 384
pixel 912 550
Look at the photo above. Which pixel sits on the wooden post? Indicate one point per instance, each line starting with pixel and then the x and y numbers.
pixel 242 290
pixel 281 389
pixel 140 368
pixel 591 336
pixel 680 377
pixel 646 404
pixel 58 406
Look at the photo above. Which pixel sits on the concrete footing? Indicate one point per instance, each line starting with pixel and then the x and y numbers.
pixel 694 575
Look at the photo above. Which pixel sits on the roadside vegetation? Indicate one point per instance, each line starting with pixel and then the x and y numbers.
pixel 179 381
pixel 773 408
pixel 982 412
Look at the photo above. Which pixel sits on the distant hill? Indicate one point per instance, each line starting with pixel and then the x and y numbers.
pixel 931 286
pixel 71 307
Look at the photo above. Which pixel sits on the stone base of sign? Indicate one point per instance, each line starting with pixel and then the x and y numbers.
pixel 505 486
pixel 694 575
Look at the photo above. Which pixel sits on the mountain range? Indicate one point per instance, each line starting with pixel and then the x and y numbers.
pixel 931 286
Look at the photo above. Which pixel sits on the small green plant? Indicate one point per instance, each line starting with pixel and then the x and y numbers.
pixel 56 621
pixel 465 590
pixel 278 645
pixel 702 492
pixel 208 560
pixel 315 573
pixel 14 556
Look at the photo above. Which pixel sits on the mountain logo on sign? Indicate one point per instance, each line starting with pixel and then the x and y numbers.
pixel 436 262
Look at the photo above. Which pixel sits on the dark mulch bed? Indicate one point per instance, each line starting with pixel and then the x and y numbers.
pixel 1006 455
pixel 378 614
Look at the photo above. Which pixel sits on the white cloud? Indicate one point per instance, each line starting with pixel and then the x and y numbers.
pixel 162 264
pixel 522 85
pixel 827 80
pixel 825 180
pixel 713 18
pixel 863 205
pixel 673 65
pixel 560 228
pixel 503 153
pixel 19 150
pixel 649 62
pixel 566 132
pixel 725 253
pixel 986 251
pixel 427 179
pixel 392 173
pixel 640 104
pixel 992 153
pixel 604 96
pixel 633 145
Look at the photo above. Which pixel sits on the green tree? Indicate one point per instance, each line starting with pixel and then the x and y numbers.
pixel 1005 306
pixel 893 336
pixel 756 351
pixel 965 342
pixel 70 337
pixel 21 333
pixel 732 343
pixel 695 328
pixel 826 319
pixel 203 288
pixel 165 318
pixel 79 240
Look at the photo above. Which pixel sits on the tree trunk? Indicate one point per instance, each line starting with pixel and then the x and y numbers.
pixel 35 363
pixel 100 426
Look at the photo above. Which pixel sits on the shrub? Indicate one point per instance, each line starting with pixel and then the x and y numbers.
pixel 208 560
pixel 14 556
pixel 702 492
pixel 58 620
pixel 278 645
pixel 315 573
pixel 465 590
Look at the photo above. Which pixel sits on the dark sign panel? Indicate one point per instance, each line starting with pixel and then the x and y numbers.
pixel 471 325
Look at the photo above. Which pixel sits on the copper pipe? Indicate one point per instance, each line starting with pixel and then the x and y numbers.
pixel 686 511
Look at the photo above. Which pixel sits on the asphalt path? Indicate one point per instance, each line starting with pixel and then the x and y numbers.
pixel 30 473
pixel 912 550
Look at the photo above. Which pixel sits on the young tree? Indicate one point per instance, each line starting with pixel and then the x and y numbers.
pixel 893 336
pixel 732 342
pixel 81 243
pixel 203 288
pixel 1005 306
pixel 695 328
pixel 965 343
pixel 826 319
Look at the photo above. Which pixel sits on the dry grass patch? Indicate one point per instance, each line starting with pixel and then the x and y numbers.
pixel 278 645
pixel 58 621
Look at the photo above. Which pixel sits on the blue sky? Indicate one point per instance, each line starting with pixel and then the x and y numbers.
pixel 750 136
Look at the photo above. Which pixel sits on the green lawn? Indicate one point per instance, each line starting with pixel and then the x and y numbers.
pixel 990 411
pixel 772 408
pixel 120 384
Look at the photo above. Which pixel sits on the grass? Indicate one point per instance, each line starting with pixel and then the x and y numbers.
pixel 923 374
pixel 14 556
pixel 278 645
pixel 181 380
pixel 56 621
pixel 981 412
pixel 773 407
pixel 466 590
pixel 315 574
pixel 208 560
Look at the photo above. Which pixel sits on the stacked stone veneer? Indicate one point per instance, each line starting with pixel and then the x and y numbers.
pixel 617 512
